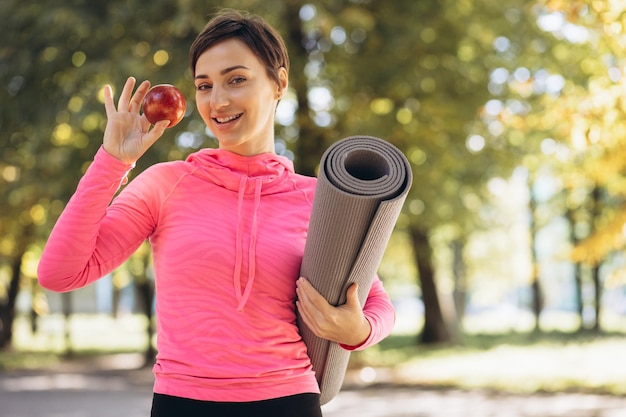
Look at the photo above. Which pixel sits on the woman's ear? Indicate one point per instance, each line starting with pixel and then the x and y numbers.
pixel 283 83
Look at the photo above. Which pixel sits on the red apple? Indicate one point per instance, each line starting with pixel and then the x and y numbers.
pixel 164 102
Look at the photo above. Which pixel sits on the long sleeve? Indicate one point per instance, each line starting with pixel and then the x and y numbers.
pixel 380 313
pixel 88 240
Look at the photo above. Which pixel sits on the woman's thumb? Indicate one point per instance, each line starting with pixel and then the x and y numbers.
pixel 156 132
pixel 352 296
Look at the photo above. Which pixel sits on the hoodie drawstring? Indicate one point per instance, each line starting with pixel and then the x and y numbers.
pixel 242 298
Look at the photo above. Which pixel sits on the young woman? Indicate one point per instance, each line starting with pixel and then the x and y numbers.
pixel 227 228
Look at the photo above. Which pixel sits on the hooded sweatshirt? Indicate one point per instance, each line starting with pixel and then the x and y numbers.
pixel 227 234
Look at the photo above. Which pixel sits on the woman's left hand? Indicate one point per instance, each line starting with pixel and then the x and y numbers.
pixel 345 324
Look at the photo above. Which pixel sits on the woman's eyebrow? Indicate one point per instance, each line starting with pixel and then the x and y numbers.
pixel 234 67
pixel 224 71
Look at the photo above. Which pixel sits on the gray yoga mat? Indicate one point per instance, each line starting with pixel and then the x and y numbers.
pixel 362 184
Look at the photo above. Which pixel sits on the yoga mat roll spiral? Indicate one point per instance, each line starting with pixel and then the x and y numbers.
pixel 362 184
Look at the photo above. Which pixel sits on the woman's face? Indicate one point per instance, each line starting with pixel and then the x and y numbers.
pixel 236 98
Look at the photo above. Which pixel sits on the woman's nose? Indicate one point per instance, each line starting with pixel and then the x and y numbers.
pixel 219 97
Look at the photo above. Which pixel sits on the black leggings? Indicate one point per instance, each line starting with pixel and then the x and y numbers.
pixel 300 405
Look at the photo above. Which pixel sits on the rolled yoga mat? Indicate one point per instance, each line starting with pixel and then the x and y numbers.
pixel 362 184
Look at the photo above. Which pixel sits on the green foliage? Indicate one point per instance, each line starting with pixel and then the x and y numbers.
pixel 418 82
pixel 577 134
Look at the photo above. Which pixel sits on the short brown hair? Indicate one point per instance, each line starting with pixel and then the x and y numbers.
pixel 262 39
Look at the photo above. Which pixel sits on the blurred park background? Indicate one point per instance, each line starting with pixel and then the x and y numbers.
pixel 507 265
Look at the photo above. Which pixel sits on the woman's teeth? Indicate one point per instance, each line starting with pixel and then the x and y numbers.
pixel 227 119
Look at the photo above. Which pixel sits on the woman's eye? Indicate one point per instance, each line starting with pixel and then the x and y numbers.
pixel 203 87
pixel 238 80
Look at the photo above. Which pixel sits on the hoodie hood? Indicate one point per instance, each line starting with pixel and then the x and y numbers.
pixel 226 169
pixel 247 176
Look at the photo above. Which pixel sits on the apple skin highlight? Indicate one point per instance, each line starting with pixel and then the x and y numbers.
pixel 164 102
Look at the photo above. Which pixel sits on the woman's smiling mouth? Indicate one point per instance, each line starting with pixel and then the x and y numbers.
pixel 222 120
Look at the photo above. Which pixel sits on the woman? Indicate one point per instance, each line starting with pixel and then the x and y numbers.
pixel 227 228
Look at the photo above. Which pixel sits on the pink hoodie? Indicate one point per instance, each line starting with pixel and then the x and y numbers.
pixel 227 234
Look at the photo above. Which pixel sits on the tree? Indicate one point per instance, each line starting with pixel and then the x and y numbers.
pixel 402 79
pixel 582 126
pixel 54 66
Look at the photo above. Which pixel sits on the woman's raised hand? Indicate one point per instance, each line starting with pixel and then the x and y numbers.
pixel 128 135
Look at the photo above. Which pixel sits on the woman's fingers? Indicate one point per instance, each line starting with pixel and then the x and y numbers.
pixel 127 91
pixel 109 107
pixel 313 307
pixel 128 102
pixel 306 291
pixel 135 103
pixel 156 132
pixel 344 324
pixel 127 134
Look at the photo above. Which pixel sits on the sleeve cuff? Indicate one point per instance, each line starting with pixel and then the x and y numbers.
pixel 112 164
pixel 112 161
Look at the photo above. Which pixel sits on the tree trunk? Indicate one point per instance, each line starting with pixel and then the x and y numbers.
pixel 597 285
pixel 578 281
pixel 7 309
pixel 578 284
pixel 537 301
pixel 66 301
pixel 435 329
pixel 145 290
pixel 596 210
pixel 34 311
pixel 311 141
pixel 535 284
pixel 460 280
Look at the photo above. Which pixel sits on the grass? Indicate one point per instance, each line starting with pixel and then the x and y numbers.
pixel 11 360
pixel 512 362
